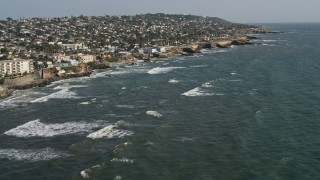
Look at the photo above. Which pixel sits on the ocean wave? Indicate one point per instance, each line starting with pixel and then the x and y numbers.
pixel 120 147
pixel 31 154
pixel 67 85
pixel 93 100
pixel 208 84
pixel 20 96
pixel 125 106
pixel 213 51
pixel 199 92
pixel 64 93
pixel 273 40
pixel 129 70
pixel 122 160
pixel 199 66
pixel 173 81
pixel 118 178
pixel 110 132
pixel 85 103
pixel 85 173
pixel 163 70
pixel 271 45
pixel 154 114
pixel 36 128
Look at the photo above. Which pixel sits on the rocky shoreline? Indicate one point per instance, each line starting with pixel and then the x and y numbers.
pixel 7 90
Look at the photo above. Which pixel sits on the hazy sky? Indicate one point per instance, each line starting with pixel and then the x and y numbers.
pixel 250 11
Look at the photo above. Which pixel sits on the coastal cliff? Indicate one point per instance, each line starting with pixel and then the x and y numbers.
pixel 221 43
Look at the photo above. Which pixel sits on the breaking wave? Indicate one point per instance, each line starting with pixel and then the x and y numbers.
pixel 173 81
pixel 125 106
pixel 123 160
pixel 20 97
pixel 199 66
pixel 64 93
pixel 273 40
pixel 31 154
pixel 199 92
pixel 85 173
pixel 208 84
pixel 110 132
pixel 162 70
pixel 154 114
pixel 36 128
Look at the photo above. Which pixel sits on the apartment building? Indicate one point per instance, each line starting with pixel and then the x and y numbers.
pixel 16 67
pixel 85 58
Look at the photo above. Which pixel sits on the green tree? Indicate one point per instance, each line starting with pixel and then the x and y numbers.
pixel 4 50
pixel 1 80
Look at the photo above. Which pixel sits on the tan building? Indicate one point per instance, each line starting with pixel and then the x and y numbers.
pixel 16 67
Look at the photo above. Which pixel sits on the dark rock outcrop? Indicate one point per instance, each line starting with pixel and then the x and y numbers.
pixel 4 92
pixel 240 42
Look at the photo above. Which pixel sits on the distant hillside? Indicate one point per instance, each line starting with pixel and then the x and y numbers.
pixel 124 32
pixel 189 17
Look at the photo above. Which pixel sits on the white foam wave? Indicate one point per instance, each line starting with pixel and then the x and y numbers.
pixel 118 178
pixel 20 96
pixel 199 66
pixel 31 154
pixel 205 51
pixel 38 129
pixel 85 173
pixel 162 70
pixel 125 106
pixel 68 86
pixel 93 100
pixel 273 40
pixel 123 160
pixel 110 132
pixel 64 93
pixel 173 81
pixel 85 103
pixel 121 146
pixel 208 84
pixel 218 51
pixel 199 92
pixel 154 113
pixel 117 71
pixel 271 45
pixel 129 70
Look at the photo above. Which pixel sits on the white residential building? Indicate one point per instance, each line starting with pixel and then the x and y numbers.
pixel 85 58
pixel 71 62
pixel 72 46
pixel 16 67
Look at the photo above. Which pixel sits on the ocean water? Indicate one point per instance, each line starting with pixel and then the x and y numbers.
pixel 247 112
